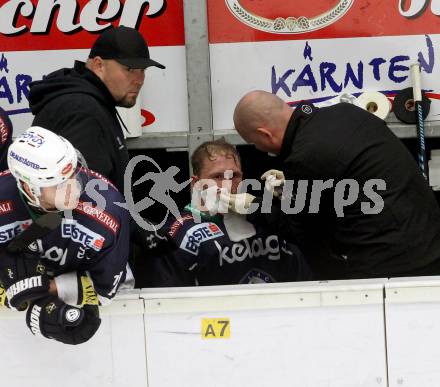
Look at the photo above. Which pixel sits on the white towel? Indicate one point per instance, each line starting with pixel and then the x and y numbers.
pixel 237 227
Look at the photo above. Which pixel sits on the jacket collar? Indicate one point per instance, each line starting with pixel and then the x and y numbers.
pixel 300 115
pixel 80 68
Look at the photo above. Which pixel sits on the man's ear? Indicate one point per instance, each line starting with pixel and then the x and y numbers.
pixel 266 133
pixel 96 65
pixel 194 180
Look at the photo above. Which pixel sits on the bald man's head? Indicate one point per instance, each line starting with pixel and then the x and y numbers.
pixel 261 118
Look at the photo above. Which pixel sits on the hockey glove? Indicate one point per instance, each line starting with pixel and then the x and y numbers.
pixel 274 181
pixel 3 298
pixel 86 294
pixel 24 278
pixel 54 319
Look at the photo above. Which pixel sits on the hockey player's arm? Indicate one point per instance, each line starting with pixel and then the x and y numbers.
pixel 167 271
pixel 178 267
pixel 29 282
pixel 110 270
pixel 75 288
pixel 55 316
pixel 289 227
pixel 23 278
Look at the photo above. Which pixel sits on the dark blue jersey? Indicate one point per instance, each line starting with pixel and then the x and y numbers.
pixel 208 254
pixel 5 138
pixel 90 238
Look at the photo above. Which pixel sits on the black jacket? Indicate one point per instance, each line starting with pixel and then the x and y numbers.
pixel 76 104
pixel 346 142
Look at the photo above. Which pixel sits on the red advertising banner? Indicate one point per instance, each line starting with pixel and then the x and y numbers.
pixel 267 20
pixel 28 25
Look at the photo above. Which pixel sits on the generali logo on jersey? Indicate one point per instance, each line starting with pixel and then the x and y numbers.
pixel 100 215
pixel 6 207
pixel 4 132
pixel 61 24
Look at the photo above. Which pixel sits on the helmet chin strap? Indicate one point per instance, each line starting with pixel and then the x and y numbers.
pixel 35 200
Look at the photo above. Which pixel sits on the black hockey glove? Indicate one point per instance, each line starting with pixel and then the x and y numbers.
pixel 24 278
pixel 54 319
pixel 3 298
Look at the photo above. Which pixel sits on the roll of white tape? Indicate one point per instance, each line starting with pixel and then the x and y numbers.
pixel 375 103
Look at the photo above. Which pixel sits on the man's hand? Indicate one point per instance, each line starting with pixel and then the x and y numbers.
pixel 274 181
pixel 238 203
pixel 24 278
pixel 54 319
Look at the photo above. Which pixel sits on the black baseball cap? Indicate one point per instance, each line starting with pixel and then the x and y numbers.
pixel 126 46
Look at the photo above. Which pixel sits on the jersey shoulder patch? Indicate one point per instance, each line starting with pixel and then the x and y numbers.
pixel 198 234
pixel 97 214
pixel 175 226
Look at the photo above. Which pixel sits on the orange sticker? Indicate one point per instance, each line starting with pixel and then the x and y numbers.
pixel 67 169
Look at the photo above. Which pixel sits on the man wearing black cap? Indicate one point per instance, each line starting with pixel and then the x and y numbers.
pixel 80 103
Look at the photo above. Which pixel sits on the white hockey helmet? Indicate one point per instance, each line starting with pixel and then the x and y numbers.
pixel 42 158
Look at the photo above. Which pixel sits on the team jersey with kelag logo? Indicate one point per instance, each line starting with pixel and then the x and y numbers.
pixel 92 238
pixel 224 251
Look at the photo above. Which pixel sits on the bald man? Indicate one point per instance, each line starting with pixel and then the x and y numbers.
pixel 389 226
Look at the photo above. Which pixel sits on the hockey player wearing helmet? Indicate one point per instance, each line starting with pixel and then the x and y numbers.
pixel 46 169
pixel 61 271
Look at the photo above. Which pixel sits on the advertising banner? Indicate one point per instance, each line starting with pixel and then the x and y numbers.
pixel 40 36
pixel 304 50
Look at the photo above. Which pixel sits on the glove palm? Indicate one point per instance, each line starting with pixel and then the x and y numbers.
pixel 274 181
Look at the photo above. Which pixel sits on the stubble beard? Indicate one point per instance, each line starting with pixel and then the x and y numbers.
pixel 126 102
